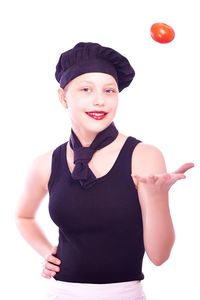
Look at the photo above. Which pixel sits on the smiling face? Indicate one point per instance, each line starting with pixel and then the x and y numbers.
pixel 92 101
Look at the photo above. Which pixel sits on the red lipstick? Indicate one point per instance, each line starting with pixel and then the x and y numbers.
pixel 97 115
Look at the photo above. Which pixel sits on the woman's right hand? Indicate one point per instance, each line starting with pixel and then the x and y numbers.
pixel 51 264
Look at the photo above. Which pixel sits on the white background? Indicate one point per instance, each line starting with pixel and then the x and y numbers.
pixel 160 107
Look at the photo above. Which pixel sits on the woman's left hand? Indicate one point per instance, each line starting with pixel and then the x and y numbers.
pixel 162 182
pixel 51 264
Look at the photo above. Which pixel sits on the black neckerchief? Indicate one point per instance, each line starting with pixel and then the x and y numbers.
pixel 82 155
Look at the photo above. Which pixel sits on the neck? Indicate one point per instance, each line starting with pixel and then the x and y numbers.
pixel 85 137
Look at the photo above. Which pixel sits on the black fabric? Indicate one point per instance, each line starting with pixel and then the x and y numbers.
pixel 100 229
pixel 92 57
pixel 82 155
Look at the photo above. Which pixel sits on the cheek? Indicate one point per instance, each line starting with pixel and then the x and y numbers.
pixel 76 110
pixel 115 104
pixel 74 105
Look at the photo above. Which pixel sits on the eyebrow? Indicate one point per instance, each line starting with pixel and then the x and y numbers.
pixel 91 82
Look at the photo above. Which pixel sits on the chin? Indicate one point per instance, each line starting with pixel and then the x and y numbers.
pixel 98 126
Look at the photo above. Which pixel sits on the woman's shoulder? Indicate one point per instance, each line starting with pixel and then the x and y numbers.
pixel 147 159
pixel 148 149
pixel 40 168
pixel 43 159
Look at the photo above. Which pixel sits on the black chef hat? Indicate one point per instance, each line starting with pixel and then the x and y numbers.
pixel 92 57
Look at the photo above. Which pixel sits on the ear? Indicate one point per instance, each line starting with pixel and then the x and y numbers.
pixel 62 97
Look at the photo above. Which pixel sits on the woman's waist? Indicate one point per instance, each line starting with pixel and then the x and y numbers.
pixel 82 289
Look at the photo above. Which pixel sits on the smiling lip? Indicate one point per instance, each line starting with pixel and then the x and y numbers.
pixel 97 115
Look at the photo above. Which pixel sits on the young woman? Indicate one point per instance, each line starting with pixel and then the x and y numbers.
pixel 108 193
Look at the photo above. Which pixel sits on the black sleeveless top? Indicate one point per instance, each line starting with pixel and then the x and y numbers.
pixel 100 229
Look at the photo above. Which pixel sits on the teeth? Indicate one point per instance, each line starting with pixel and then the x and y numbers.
pixel 97 114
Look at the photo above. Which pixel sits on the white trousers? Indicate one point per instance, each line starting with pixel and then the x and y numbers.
pixel 59 290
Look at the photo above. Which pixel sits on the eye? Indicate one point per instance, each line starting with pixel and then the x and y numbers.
pixel 110 91
pixel 86 89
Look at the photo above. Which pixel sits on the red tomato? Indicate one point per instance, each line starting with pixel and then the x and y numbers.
pixel 162 33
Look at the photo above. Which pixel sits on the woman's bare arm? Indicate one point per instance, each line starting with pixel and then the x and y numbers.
pixel 153 183
pixel 35 189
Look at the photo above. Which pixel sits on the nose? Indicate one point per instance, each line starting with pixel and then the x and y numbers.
pixel 98 99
